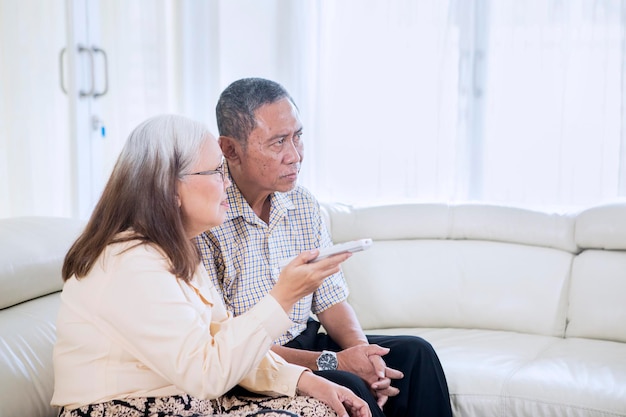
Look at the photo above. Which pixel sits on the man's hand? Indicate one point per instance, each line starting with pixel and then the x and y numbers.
pixel 359 357
pixel 382 388
pixel 366 361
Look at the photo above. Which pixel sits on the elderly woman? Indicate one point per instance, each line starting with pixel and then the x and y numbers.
pixel 141 330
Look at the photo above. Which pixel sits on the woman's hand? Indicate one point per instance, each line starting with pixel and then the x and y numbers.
pixel 301 277
pixel 341 399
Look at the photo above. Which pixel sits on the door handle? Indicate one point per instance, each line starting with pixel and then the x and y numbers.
pixel 62 71
pixel 101 51
pixel 81 49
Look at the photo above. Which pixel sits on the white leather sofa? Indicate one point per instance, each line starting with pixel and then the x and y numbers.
pixel 527 310
pixel 31 254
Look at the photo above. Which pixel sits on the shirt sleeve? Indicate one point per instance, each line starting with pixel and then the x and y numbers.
pixel 148 312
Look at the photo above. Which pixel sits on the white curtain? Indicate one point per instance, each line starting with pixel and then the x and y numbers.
pixel 491 100
pixel 402 100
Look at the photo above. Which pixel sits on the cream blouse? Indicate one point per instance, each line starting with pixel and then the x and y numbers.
pixel 131 329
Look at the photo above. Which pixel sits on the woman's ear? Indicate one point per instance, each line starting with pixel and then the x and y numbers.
pixel 231 148
pixel 180 203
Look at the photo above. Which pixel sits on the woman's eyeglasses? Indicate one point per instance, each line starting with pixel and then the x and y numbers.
pixel 219 170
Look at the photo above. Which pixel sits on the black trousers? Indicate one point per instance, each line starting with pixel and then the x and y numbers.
pixel 423 390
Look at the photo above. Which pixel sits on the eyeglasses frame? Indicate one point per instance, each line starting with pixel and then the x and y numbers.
pixel 221 169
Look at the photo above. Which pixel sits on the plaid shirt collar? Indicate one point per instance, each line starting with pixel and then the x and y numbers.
pixel 280 204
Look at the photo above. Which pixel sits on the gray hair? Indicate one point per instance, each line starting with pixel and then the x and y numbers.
pixel 164 146
pixel 238 102
pixel 141 195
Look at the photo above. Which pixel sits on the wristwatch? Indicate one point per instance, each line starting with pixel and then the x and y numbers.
pixel 327 361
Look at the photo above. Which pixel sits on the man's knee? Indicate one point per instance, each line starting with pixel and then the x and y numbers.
pixel 404 344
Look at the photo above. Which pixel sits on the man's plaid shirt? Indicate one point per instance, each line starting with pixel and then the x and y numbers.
pixel 242 255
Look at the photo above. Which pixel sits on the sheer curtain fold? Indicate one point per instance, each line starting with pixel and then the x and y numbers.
pixel 553 112
pixel 387 79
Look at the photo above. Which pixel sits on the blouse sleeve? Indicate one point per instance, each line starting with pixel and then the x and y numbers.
pixel 151 314
pixel 273 376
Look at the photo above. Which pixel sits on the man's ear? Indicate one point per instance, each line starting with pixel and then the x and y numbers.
pixel 231 148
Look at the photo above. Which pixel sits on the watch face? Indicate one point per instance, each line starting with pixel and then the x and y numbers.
pixel 327 361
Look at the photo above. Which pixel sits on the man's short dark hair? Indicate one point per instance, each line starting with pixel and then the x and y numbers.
pixel 238 102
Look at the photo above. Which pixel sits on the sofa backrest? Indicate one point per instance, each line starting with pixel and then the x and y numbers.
pixel 597 308
pixel 462 266
pixel 31 255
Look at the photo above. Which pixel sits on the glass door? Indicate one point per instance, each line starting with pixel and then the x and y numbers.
pixel 75 77
pixel 126 65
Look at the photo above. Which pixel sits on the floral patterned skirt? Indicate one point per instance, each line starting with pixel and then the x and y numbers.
pixel 187 406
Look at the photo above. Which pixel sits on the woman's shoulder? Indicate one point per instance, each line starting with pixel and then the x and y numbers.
pixel 130 248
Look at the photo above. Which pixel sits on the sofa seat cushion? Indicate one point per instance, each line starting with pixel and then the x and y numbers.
pixel 478 363
pixel 572 377
pixel 500 373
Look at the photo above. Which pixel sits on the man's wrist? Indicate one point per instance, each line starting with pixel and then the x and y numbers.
pixel 327 361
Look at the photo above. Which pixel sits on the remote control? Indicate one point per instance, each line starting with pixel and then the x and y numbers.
pixel 352 246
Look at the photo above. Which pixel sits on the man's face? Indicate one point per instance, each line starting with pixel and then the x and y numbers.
pixel 272 157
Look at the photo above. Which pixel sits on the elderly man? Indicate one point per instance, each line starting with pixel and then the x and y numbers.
pixel 272 218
